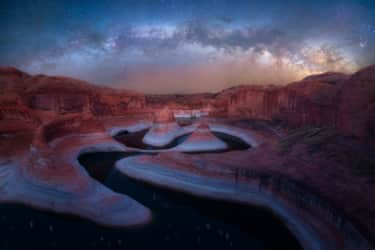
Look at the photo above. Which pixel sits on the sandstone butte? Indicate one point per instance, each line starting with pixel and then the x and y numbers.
pixel 312 147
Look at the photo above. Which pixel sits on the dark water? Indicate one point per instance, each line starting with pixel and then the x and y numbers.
pixel 184 222
pixel 134 140
pixel 179 221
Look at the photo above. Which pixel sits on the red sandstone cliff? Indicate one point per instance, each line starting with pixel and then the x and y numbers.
pixel 346 102
pixel 311 100
pixel 356 104
pixel 26 101
pixel 330 99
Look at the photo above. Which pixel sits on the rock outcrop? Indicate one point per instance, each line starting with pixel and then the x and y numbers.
pixel 164 116
pixel 164 129
pixel 356 105
pixel 15 115
pixel 64 95
pixel 202 140
pixel 335 100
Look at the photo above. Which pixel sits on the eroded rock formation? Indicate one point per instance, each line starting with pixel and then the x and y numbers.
pixel 46 122
pixel 202 140
pixel 62 95
pixel 331 99
pixel 164 129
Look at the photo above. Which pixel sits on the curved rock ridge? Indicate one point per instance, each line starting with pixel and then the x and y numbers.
pixel 249 136
pixel 48 176
pixel 263 190
pixel 202 140
pixel 162 134
pixel 134 127
pixel 201 137
pixel 164 130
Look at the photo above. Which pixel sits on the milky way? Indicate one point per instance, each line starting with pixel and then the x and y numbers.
pixel 186 46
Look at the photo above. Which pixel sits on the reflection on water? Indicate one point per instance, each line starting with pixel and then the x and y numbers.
pixel 179 221
pixel 182 221
pixel 134 140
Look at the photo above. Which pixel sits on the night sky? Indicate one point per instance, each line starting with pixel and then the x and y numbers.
pixel 186 46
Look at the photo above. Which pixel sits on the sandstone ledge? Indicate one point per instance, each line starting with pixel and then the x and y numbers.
pixel 313 233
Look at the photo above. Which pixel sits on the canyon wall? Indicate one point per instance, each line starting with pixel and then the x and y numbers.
pixel 27 101
pixel 310 101
pixel 346 102
pixel 330 99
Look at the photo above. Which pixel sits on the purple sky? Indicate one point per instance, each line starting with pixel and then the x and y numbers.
pixel 186 46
